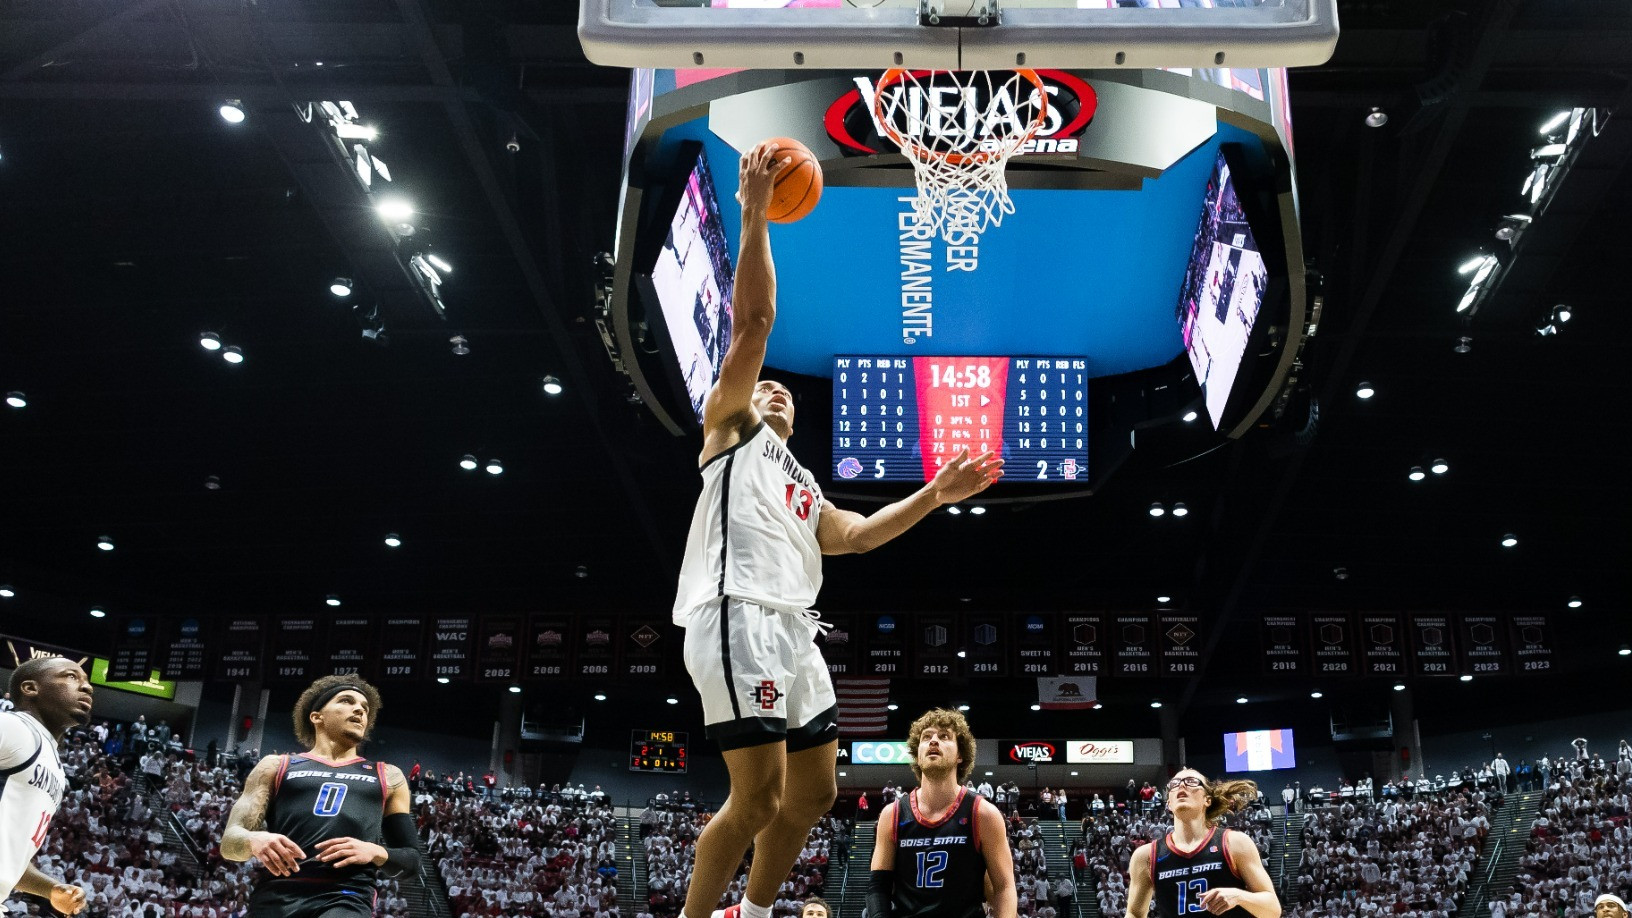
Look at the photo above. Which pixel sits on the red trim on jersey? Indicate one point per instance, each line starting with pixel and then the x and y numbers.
pixel 322 761
pixel 283 766
pixel 1228 860
pixel 385 792
pixel 912 797
pixel 1154 847
pixel 974 833
pixel 1193 851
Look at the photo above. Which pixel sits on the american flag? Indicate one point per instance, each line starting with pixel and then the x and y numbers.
pixel 862 710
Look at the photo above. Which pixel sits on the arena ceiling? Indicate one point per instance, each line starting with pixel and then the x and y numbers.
pixel 133 218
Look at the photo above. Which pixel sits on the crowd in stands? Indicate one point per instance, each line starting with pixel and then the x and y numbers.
pixel 1580 844
pixel 669 828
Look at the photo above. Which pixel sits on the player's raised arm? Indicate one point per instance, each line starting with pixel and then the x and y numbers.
pixel 1139 888
pixel 843 532
pixel 728 411
pixel 246 837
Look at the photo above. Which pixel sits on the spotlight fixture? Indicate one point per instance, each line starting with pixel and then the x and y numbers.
pixel 439 264
pixel 1473 264
pixel 1555 122
pixel 1341 573
pixel 392 540
pixel 977 510
pixel 1155 704
pixel 1574 603
pixel 954 509
pixel 232 354
pixel 1546 329
pixel 6 592
pixel 581 572
pixel 1548 151
pixel 1466 677
pixel 672 700
pixel 515 690
pixel 552 386
pixel 232 111
pixel 105 543
pixel 1464 344
pixel 442 680
pixel 395 210
pixel 1241 700
pixel 1511 226
pixel 495 467
pixel 212 482
pixel 1164 600
pixel 16 399
pixel 1439 467
pixel 1190 415
pixel 600 696
pixel 1377 118
pixel 209 341
pixel 468 462
pixel 1036 707
pixel 1562 313
pixel 1317 695
pixel 332 599
pixel 963 707
pixel 1509 540
pixel 1364 390
pixel 962 654
pixel 1416 473
pixel 99 613
pixel 1179 509
pixel 1098 706
pixel 893 706
pixel 1156 509
pixel 1399 686
pixel 340 286
pixel 1625 651
pixel 461 345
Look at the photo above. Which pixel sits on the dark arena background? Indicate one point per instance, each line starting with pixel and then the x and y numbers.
pixel 368 336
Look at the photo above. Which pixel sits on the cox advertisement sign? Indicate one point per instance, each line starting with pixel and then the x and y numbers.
pixel 1099 752
pixel 1030 752
pixel 867 752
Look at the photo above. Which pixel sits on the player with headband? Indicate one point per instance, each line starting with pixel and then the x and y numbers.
pixel 1201 866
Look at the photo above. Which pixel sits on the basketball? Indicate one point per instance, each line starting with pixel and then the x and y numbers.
pixel 798 185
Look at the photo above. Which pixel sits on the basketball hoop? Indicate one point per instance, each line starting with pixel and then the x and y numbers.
pixel 959 128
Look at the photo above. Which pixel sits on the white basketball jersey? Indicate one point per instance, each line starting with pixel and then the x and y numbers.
pixel 31 785
pixel 753 534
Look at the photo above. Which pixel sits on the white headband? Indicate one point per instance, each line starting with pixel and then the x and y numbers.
pixel 1609 897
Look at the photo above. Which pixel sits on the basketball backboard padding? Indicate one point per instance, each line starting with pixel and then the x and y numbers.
pixel 1031 33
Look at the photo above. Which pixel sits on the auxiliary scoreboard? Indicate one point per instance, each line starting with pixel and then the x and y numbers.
pixel 902 418
pixel 657 750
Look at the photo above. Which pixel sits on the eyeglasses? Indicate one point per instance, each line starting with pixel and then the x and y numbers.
pixel 1187 781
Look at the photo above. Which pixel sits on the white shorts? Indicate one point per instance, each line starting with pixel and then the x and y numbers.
pixel 761 676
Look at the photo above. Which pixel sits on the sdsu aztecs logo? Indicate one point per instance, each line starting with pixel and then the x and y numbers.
pixel 1071 105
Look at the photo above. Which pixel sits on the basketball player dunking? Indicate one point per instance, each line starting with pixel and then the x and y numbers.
pixel 751 572
pixel 315 820
pixel 1200 867
pixel 942 851
pixel 50 695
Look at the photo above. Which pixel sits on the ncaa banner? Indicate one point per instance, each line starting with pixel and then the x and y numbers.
pixel 886 653
pixel 1034 645
pixel 132 659
pixel 181 649
pixel 1067 693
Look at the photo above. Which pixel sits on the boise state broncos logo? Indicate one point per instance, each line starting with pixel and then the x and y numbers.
pixel 849 467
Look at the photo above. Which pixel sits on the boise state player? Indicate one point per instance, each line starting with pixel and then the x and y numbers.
pixel 1199 866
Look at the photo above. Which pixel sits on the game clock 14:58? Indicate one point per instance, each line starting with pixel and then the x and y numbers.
pixel 657 750
pixel 902 418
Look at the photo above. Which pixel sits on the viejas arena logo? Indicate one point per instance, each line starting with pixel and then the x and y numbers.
pixel 937 113
pixel 1036 751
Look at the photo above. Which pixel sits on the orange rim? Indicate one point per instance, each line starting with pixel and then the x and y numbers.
pixel 897 74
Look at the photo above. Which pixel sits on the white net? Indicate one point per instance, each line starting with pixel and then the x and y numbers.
pixel 959 129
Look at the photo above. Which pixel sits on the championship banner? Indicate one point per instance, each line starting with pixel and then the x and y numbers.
pixel 1333 640
pixel 402 647
pixel 1034 645
pixel 1084 640
pixel 885 647
pixel 550 640
pixel 838 644
pixel 351 646
pixel 1067 693
pixel 181 649
pixel 295 649
pixel 1283 645
pixel 1133 645
pixel 132 649
pixel 1181 644
pixel 934 653
pixel 1484 645
pixel 1382 645
pixel 597 652
pixel 451 639
pixel 498 648
pixel 240 642
pixel 1532 643
pixel 1431 645
pixel 984 637
pixel 644 644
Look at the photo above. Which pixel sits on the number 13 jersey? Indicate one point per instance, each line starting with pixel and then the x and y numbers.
pixel 1180 878
pixel 753 534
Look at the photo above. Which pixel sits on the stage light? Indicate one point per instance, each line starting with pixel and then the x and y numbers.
pixel 98 613
pixel 232 112
pixel 1377 118
pixel 1317 695
pixel 1509 540
pixel 332 599
pixel 340 286
pixel 1164 599
pixel 1473 264
pixel 1439 467
pixel 1468 297
pixel 1190 416
pixel 1546 329
pixel 232 354
pixel 672 700
pixel 1156 509
pixel 392 540
pixel 977 510
pixel 461 345
pixel 1511 225
pixel 1180 509
pixel 16 399
pixel 893 706
pixel 1364 390
pixel 1341 573
pixel 1098 706
pixel 212 482
pixel 346 130
pixel 1466 677
pixel 1555 122
pixel 963 707
pixel 1562 313
pixel 439 263
pixel 962 654
pixel 441 680
pixel 1574 603
pixel 1155 704
pixel 495 467
pixel 395 210
pixel 209 341
pixel 1548 151
pixel 1241 700
pixel 600 696
pixel 954 510
pixel 105 543
pixel 1399 686
pixel 1464 344
pixel 552 386
pixel 1416 473
pixel 468 462
pixel 515 690
pixel 1625 651
pixel 1035 707
pixel 6 592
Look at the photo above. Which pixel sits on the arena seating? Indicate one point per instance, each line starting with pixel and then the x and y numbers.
pixel 669 835
pixel 1580 844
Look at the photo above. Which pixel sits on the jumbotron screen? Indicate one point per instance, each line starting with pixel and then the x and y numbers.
pixel 902 418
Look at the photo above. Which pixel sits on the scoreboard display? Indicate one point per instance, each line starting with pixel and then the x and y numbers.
pixel 902 418
pixel 658 750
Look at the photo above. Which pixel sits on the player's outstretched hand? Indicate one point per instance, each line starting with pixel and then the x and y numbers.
pixel 277 853
pixel 67 899
pixel 964 477
pixel 756 177
pixel 348 852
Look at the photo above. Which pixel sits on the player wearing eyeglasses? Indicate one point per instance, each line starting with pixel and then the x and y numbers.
pixel 1201 866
